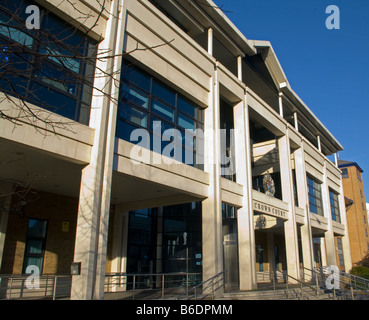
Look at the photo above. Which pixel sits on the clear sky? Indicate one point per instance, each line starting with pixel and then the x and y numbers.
pixel 328 69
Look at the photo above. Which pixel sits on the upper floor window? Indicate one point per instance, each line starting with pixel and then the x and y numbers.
pixel 335 208
pixel 168 117
pixel 315 196
pixel 344 173
pixel 358 174
pixel 51 67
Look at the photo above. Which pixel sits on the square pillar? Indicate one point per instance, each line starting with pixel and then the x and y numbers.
pixel 94 198
pixel 246 233
pixel 346 247
pixel 212 241
pixel 119 248
pixel 330 244
pixel 290 227
pixel 302 193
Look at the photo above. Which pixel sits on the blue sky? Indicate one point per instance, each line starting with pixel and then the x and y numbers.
pixel 328 69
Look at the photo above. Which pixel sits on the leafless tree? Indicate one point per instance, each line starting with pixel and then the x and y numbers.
pixel 35 62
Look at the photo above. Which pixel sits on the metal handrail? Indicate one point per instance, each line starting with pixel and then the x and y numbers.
pixel 303 285
pixel 355 281
pixel 47 286
pixel 143 281
pixel 205 285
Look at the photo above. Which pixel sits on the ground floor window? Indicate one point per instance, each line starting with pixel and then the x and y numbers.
pixel 35 244
pixel 165 240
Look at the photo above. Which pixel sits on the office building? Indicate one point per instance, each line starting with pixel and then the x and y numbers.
pixel 165 141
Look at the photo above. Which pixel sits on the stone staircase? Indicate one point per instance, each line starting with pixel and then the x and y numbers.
pixel 279 294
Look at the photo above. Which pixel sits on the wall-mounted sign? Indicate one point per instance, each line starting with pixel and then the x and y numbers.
pixel 269 210
pixel 65 226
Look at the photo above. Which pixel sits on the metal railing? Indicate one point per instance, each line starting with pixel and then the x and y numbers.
pixel 205 289
pixel 150 285
pixel 348 287
pixel 49 286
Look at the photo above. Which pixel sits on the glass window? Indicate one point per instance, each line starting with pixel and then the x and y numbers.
pixel 340 252
pixel 186 122
pixel 344 173
pixel 335 208
pixel 134 115
pixel 162 110
pixel 35 244
pixel 163 92
pixel 147 103
pixel 56 58
pixel 315 196
pixel 186 107
pixel 134 96
pixel 135 76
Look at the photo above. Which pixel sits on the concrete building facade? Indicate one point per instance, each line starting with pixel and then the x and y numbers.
pixel 189 153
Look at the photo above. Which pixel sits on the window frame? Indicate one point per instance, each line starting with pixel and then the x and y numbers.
pixel 335 206
pixel 29 239
pixel 153 115
pixel 319 208
pixel 45 75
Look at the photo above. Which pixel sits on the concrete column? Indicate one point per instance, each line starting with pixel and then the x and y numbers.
pixel 212 241
pixel 302 193
pixel 290 227
pixel 210 41
pixel 330 245
pixel 239 68
pixel 280 101
pixel 117 37
pixel 319 144
pixel 5 200
pixel 271 257
pixel 246 233
pixel 346 248
pixel 323 252
pixel 94 200
pixel 119 247
pixel 296 121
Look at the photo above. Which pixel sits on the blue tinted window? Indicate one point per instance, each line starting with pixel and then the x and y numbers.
pixel 134 96
pixel 148 103
pixel 186 122
pixel 134 115
pixel 42 66
pixel 186 107
pixel 163 92
pixel 162 110
pixel 315 196
pixel 135 76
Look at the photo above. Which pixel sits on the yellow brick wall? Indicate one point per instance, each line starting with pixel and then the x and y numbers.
pixel 355 215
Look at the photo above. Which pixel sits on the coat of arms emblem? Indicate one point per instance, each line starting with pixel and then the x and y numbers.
pixel 268 185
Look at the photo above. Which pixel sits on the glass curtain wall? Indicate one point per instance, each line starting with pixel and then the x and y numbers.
pixel 52 67
pixel 173 122
pixel 165 240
